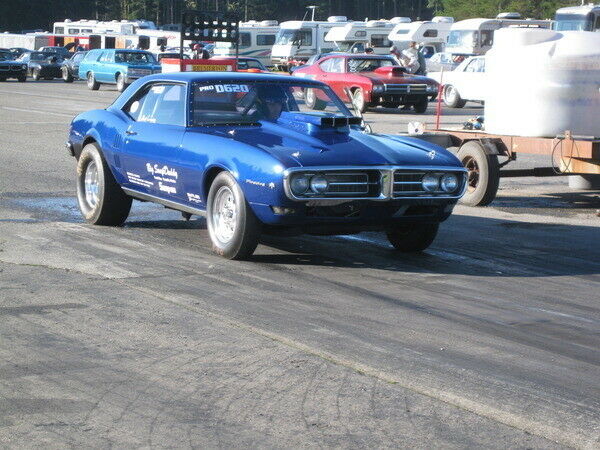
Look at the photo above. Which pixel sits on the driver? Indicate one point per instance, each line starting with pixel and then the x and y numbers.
pixel 271 101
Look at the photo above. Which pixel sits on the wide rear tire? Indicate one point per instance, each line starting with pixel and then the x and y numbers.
pixel 413 238
pixel 233 228
pixel 101 200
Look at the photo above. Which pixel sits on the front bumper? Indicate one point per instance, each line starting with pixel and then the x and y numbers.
pixel 12 72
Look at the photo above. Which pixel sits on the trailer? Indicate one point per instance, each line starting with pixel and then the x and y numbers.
pixel 484 154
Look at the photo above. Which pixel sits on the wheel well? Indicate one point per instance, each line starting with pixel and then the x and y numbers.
pixel 209 178
pixel 86 141
pixel 117 75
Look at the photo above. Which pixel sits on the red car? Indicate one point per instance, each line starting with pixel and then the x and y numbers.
pixel 373 80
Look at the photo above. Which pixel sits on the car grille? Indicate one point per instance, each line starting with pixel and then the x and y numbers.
pixel 406 88
pixel 16 68
pixel 4 68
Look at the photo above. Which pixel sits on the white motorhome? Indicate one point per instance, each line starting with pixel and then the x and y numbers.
pixel 84 26
pixel 358 35
pixel 476 36
pixel 300 39
pixel 577 18
pixel 256 41
pixel 432 34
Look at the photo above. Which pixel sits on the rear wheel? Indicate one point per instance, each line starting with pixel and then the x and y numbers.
pixel 483 176
pixel 421 106
pixel 233 228
pixel 312 101
pixel 452 98
pixel 101 200
pixel 66 75
pixel 92 84
pixel 413 238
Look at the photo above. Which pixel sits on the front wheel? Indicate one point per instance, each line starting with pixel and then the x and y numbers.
pixel 35 74
pixel 452 98
pixel 121 84
pixel 358 100
pixel 92 84
pixel 22 78
pixel 312 101
pixel 66 75
pixel 421 106
pixel 101 200
pixel 413 238
pixel 233 228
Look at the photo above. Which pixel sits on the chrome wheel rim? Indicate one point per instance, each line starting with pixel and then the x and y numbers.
pixel 90 79
pixel 473 175
pixel 359 100
pixel 65 74
pixel 310 97
pixel 224 215
pixel 91 184
pixel 450 94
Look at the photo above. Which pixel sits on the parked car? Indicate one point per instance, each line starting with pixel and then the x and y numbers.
pixel 62 51
pixel 175 55
pixel 246 64
pixel 247 152
pixel 313 59
pixel 375 80
pixel 9 68
pixel 70 67
pixel 465 83
pixel 115 66
pixel 442 60
pixel 42 65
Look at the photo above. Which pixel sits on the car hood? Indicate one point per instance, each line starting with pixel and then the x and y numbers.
pixel 407 79
pixel 332 148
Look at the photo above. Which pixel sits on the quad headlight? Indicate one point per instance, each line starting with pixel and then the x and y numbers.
pixel 378 88
pixel 449 182
pixel 308 184
pixel 430 182
pixel 437 182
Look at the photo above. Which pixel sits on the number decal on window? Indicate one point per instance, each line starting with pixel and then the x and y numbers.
pixel 231 88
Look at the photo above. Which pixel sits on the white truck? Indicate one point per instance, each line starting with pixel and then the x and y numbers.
pixel 476 36
pixel 577 18
pixel 356 36
pixel 298 40
pixel 431 34
pixel 256 41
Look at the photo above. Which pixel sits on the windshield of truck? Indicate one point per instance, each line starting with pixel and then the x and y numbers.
pixel 218 103
pixel 572 22
pixel 286 36
pixel 134 57
pixel 369 64
pixel 462 38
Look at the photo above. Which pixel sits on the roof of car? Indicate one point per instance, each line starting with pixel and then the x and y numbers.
pixel 228 76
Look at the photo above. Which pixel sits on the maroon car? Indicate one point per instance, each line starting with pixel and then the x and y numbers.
pixel 372 80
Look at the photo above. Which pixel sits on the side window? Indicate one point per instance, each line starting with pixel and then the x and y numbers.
pixel 78 57
pixel 304 38
pixel 380 40
pixel 73 30
pixel 161 103
pixel 430 33
pixel 337 65
pixel 326 65
pixel 487 38
pixel 244 39
pixel 597 24
pixel 471 66
pixel 265 39
pixel 59 30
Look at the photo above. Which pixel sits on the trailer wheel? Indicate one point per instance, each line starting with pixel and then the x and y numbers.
pixel 484 174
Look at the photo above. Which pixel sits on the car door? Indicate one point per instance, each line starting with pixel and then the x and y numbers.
pixel 467 81
pixel 336 76
pixel 152 143
pixel 104 67
pixel 75 61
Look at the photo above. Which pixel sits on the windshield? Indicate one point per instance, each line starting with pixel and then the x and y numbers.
pixel 5 56
pixel 293 37
pixel 134 57
pixel 369 64
pixel 461 38
pixel 572 22
pixel 216 103
pixel 42 56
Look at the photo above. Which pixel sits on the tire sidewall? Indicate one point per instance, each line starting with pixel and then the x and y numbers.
pixel 91 81
pixel 359 100
pixel 450 100
pixel 231 248
pixel 90 153
pixel 309 98
pixel 35 74
pixel 488 181
pixel 121 83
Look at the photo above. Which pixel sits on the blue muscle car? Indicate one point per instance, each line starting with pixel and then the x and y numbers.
pixel 245 151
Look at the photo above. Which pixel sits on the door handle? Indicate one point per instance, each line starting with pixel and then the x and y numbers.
pixel 130 133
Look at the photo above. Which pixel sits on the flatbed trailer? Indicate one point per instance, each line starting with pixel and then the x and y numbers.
pixel 481 153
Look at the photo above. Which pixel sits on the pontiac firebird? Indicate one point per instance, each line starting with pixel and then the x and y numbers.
pixel 248 153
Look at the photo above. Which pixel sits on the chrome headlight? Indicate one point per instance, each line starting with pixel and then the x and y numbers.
pixel 319 184
pixel 430 182
pixel 24 66
pixel 299 184
pixel 431 88
pixel 449 182
pixel 378 88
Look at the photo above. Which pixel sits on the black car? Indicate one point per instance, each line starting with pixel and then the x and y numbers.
pixel 9 68
pixel 70 67
pixel 42 65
